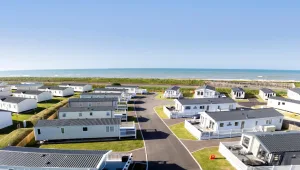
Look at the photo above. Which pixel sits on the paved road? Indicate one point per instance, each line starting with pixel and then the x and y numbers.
pixel 164 150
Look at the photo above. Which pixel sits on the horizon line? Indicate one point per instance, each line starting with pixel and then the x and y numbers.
pixel 153 68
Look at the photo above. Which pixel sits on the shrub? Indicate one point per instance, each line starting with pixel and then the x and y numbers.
pixel 116 84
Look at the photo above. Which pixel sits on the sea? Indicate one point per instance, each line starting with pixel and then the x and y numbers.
pixel 174 73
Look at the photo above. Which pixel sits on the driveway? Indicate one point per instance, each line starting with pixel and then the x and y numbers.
pixel 164 150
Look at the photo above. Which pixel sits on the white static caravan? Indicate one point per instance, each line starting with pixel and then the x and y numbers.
pixel 241 119
pixel 67 129
pixel 17 104
pixel 39 96
pixel 206 91
pixel 294 93
pixel 204 104
pixel 132 90
pixel 227 124
pixel 91 113
pixel 5 91
pixel 27 86
pixel 237 93
pixel 285 104
pixel 173 92
pixel 86 112
pixel 77 87
pixel 6 119
pixel 123 92
pixel 265 93
pixel 104 95
pixel 29 158
pixel 93 102
pixel 58 91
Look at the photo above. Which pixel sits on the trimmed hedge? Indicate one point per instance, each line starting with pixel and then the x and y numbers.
pixel 14 137
pixel 46 113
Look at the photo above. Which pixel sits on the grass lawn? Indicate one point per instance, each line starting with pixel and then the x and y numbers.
pixel 160 96
pixel 220 163
pixel 180 131
pixel 160 112
pixel 260 99
pixel 117 146
pixel 291 115
pixel 49 103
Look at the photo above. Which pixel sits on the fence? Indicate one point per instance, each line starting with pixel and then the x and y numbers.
pixel 175 114
pixel 203 134
pixel 27 139
pixel 192 129
pixel 234 161
pixel 238 164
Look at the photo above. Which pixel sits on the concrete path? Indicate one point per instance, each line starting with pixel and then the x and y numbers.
pixel 193 145
pixel 164 150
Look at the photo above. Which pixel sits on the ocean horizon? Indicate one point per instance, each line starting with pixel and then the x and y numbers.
pixel 174 73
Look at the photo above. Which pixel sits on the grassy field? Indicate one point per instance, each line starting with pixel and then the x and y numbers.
pixel 291 115
pixel 116 146
pixel 160 112
pixel 220 163
pixel 180 131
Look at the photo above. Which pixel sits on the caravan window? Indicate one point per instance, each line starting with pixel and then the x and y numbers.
pixel 246 142
pixel 39 131
pixel 85 129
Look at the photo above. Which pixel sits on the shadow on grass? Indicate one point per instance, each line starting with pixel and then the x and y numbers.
pixel 52 101
pixel 250 95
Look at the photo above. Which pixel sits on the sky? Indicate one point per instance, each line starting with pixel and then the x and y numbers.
pixel 55 34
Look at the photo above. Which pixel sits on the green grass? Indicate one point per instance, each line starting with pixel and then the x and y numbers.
pixel 14 137
pixel 258 98
pixel 291 115
pixel 220 163
pixel 160 96
pixel 117 146
pixel 160 112
pixel 181 132
pixel 49 103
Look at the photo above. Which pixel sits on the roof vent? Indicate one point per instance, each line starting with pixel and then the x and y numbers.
pixel 48 163
pixel 294 156
pixel 43 155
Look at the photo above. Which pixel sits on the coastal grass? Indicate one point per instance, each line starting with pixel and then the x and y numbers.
pixel 122 145
pixel 181 132
pixel 220 163
pixel 154 81
pixel 160 112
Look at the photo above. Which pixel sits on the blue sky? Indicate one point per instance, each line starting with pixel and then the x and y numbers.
pixel 149 34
